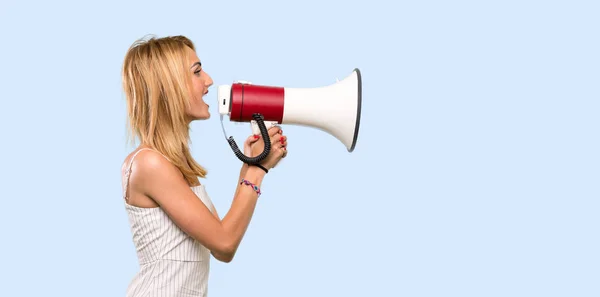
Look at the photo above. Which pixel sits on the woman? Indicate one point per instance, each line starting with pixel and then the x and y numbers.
pixel 174 224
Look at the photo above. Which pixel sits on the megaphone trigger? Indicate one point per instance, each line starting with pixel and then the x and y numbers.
pixel 256 129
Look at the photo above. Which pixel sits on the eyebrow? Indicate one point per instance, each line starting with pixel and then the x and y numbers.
pixel 197 63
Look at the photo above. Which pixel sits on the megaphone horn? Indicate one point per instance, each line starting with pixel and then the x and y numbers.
pixel 335 109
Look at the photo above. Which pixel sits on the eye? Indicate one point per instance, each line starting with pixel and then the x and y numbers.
pixel 197 72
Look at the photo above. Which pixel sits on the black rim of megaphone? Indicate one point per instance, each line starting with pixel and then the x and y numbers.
pixel 358 109
pixel 265 134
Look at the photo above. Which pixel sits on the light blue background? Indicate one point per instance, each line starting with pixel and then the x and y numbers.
pixel 475 174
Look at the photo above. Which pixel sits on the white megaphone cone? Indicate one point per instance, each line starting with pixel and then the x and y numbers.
pixel 335 109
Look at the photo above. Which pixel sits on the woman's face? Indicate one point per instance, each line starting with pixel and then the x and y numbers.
pixel 201 81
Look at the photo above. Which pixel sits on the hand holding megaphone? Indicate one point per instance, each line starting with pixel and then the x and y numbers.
pixel 255 145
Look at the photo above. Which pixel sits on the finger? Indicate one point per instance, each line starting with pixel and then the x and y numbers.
pixel 275 139
pixel 283 140
pixel 276 146
pixel 274 130
pixel 283 152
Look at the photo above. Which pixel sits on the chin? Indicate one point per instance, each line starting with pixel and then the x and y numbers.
pixel 199 112
pixel 205 116
pixel 198 117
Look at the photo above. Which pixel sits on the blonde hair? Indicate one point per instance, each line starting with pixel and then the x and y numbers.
pixel 156 82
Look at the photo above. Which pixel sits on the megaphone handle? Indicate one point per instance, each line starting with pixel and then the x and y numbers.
pixel 267 140
pixel 256 128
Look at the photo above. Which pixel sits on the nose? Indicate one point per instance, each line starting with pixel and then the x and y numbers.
pixel 208 82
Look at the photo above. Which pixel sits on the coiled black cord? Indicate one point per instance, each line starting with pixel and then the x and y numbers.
pixel 265 134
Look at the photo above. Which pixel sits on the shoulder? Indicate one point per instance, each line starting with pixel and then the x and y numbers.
pixel 150 168
pixel 149 159
pixel 144 158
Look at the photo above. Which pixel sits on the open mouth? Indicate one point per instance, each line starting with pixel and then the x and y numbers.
pixel 205 92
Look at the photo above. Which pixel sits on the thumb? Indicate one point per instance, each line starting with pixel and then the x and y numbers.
pixel 252 139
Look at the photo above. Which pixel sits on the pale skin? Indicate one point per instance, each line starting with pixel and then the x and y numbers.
pixel 155 182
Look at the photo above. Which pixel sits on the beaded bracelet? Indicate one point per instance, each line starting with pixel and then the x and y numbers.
pixel 254 187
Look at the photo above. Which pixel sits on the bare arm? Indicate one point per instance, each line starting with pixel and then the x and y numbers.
pixel 275 134
pixel 158 179
pixel 222 257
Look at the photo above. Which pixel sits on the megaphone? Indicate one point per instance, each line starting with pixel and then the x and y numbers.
pixel 334 109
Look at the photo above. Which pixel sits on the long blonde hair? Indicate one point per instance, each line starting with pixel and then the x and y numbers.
pixel 156 85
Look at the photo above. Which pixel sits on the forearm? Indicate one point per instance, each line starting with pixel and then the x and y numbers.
pixel 238 218
pixel 243 171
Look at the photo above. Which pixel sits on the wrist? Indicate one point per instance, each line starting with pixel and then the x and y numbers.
pixel 254 174
pixel 263 168
pixel 243 169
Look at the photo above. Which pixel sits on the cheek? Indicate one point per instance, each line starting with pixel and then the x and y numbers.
pixel 198 86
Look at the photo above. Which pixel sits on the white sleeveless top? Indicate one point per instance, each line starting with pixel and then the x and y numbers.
pixel 172 264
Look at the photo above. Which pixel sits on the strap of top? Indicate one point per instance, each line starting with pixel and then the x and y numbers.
pixel 128 171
